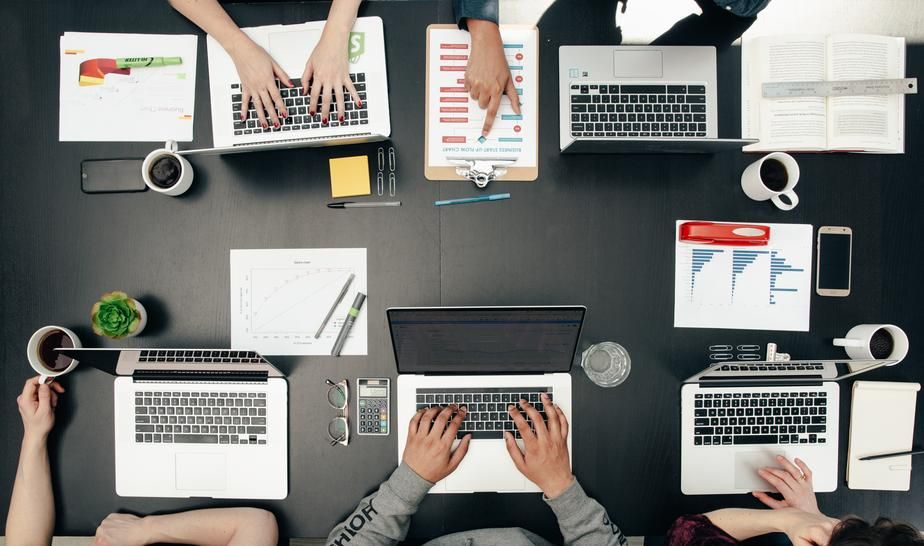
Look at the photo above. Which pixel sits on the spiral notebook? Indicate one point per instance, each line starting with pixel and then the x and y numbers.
pixel 881 421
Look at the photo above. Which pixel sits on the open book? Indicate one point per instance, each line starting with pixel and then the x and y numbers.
pixel 872 123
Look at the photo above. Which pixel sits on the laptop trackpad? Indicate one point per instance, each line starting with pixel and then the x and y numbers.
pixel 637 64
pixel 746 465
pixel 486 467
pixel 201 471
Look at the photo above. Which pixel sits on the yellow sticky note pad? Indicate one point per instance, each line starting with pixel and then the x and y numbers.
pixel 349 176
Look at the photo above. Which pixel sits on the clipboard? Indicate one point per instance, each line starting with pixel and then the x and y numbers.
pixel 482 170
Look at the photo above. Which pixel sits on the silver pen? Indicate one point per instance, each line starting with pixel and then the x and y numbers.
pixel 333 307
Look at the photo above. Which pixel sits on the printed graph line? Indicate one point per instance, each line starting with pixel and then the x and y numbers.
pixel 264 322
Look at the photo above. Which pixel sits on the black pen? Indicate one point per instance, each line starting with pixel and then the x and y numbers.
pixel 352 204
pixel 890 455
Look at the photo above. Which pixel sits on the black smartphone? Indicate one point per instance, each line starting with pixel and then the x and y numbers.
pixel 111 176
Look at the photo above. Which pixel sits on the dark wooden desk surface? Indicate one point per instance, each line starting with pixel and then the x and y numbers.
pixel 592 230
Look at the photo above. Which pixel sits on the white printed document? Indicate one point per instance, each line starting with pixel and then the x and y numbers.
pixel 872 123
pixel 745 287
pixel 455 120
pixel 279 298
pixel 108 93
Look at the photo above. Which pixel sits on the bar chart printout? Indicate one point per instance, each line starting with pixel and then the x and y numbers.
pixel 741 287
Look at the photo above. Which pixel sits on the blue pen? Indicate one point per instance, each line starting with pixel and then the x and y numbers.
pixel 480 198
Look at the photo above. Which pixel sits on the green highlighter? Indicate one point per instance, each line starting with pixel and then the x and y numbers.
pixel 348 323
pixel 143 62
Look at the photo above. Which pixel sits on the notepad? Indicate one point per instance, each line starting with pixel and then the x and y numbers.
pixel 881 421
pixel 349 176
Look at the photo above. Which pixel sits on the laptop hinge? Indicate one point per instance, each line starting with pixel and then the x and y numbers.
pixel 240 376
pixel 719 383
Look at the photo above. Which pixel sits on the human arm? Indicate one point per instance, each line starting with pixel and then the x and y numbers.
pixel 384 516
pixel 31 519
pixel 487 76
pixel 793 482
pixel 210 527
pixel 327 67
pixel 802 528
pixel 256 69
pixel 544 460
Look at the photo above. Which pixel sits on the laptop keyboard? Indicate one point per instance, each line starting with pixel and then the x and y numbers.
pixel 487 416
pixel 297 102
pixel 745 367
pixel 760 418
pixel 610 110
pixel 192 417
pixel 199 356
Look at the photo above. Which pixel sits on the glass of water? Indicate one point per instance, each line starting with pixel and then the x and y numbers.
pixel 606 363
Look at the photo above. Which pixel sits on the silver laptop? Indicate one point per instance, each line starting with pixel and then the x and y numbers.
pixel 196 422
pixel 290 46
pixel 639 99
pixel 737 416
pixel 485 358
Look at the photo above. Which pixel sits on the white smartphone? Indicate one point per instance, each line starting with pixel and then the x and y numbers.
pixel 835 252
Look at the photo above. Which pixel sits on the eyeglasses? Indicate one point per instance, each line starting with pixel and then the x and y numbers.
pixel 338 397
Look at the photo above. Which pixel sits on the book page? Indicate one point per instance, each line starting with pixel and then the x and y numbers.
pixel 873 122
pixel 784 123
pixel 455 120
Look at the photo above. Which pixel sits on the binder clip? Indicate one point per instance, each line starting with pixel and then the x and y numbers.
pixel 481 171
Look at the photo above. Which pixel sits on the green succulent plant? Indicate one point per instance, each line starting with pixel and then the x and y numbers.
pixel 115 315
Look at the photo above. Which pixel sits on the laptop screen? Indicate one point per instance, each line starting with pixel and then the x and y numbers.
pixel 485 340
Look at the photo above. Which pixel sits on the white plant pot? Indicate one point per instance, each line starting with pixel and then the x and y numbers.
pixel 144 318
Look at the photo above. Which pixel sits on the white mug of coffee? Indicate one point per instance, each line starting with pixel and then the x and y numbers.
pixel 166 171
pixel 875 342
pixel 42 355
pixel 772 177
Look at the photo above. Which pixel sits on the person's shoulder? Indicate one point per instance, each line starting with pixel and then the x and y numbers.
pixel 696 530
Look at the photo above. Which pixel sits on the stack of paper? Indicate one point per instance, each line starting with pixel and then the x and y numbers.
pixel 107 96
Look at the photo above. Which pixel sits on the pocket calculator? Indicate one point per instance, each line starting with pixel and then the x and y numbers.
pixel 372 406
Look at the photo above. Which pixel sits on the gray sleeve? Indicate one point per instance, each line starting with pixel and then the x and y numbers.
pixel 384 516
pixel 582 520
pixel 474 9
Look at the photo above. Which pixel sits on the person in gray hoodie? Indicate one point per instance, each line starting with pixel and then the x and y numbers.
pixel 383 517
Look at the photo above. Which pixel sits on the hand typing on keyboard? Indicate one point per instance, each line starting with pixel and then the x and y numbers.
pixel 258 72
pixel 793 482
pixel 327 67
pixel 544 459
pixel 430 436
pixel 487 76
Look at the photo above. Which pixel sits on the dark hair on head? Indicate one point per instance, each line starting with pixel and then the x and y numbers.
pixel 854 531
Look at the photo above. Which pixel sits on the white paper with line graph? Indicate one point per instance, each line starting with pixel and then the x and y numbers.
pixel 745 287
pixel 279 298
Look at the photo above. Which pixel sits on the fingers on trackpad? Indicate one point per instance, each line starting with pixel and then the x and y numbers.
pixel 747 463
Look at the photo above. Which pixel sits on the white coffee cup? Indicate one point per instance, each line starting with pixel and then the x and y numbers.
pixel 857 342
pixel 32 352
pixel 756 188
pixel 182 184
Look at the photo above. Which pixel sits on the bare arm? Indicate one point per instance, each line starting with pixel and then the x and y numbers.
pixel 211 527
pixel 802 528
pixel 213 19
pixel 255 67
pixel 31 519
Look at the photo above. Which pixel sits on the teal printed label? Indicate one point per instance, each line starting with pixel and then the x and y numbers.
pixel 357 46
